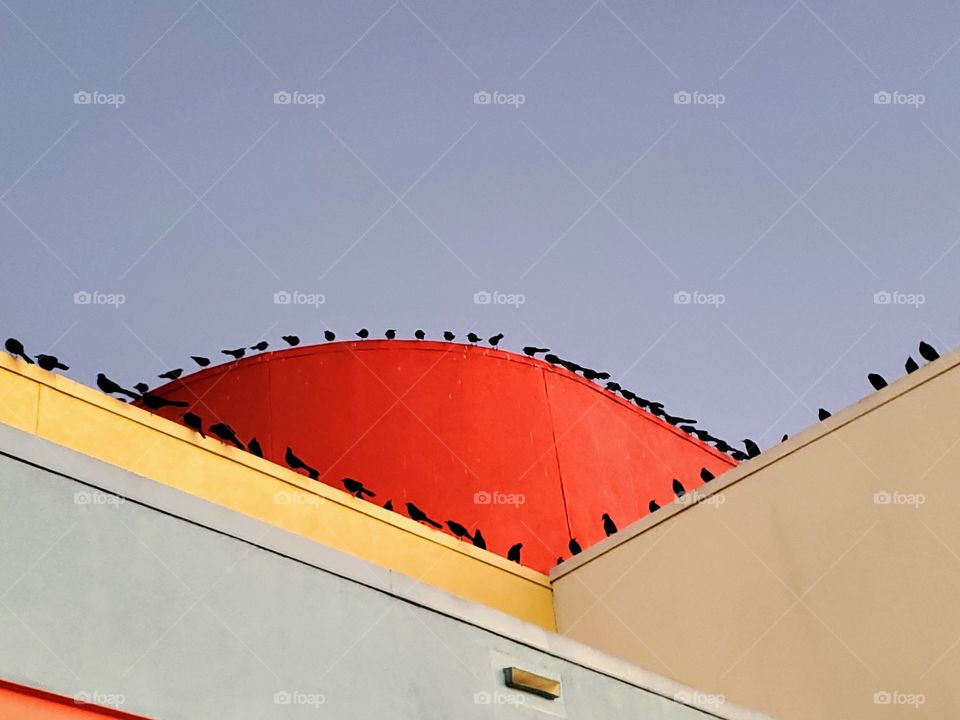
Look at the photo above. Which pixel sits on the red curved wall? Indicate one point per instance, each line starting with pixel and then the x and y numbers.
pixel 525 451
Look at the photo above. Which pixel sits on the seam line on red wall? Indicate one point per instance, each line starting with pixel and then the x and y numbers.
pixel 556 453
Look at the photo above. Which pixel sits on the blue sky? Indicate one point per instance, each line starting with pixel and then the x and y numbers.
pixel 780 200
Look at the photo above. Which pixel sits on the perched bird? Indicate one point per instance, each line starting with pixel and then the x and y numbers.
pixel 674 420
pixel 388 505
pixel 628 394
pixel 329 335
pixel 569 365
pixel 613 387
pixel 532 351
pixel 590 374
pixel 194 422
pixel 200 360
pixel 171 374
pixel 739 455
pixel 603 375
pixel 457 529
pixel 110 387
pixel 254 447
pixel 419 334
pixel 448 336
pixel 706 475
pixel 363 333
pixel 823 414
pixel 784 438
pixel 559 559
pixel 479 541
pixel 261 346
pixel 473 337
pixel 297 464
pixel 723 446
pixel 226 433
pixel 390 334
pixel 495 340
pixel 235 354
pixel 574 547
pixel 15 348
pixel 928 353
pixel 678 489
pixel 50 362
pixel 356 487
pixel 552 359
pixel 609 526
pixel 155 402
pixel 911 365
pixel 420 516
pixel 141 387
pixel 291 340
pixel 752 448
pixel 877 381
pixel 513 554
pixel 653 506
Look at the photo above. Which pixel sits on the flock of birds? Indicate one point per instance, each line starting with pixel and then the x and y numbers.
pixel 227 434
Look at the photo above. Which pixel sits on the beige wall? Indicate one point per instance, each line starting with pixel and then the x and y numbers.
pixel 794 591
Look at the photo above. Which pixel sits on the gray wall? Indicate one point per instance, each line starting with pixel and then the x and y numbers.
pixel 170 619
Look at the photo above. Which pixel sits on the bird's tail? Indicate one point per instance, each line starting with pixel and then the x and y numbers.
pixel 368 493
pixel 434 523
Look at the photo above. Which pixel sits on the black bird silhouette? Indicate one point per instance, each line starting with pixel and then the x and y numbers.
pixel 291 340
pixel 674 420
pixel 388 505
pixel 613 387
pixel 457 529
pixel 823 414
pixel 226 433
pixel 688 428
pixel 706 475
pixel 390 334
pixel 569 365
pixel 752 448
pixel 603 375
pixel 628 394
pixel 723 446
pixel 495 340
pixel 911 365
pixel 110 387
pixel 739 455
pixel 235 354
pixel 200 360
pixel 141 387
pixel 928 353
pixel 261 346
pixel 356 487
pixel 552 359
pixel 609 526
pixel 574 547
pixel 678 489
pixel 297 464
pixel 513 554
pixel 473 337
pixel 419 334
pixel 559 559
pixel 478 540
pixel 155 402
pixel 15 348
pixel 448 336
pixel 171 374
pixel 50 362
pixel 420 516
pixel 329 335
pixel 254 447
pixel 653 506
pixel 194 422
pixel 363 333
pixel 784 438
pixel 532 351
pixel 877 381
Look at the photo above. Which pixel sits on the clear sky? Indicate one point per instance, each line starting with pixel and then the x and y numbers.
pixel 784 192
